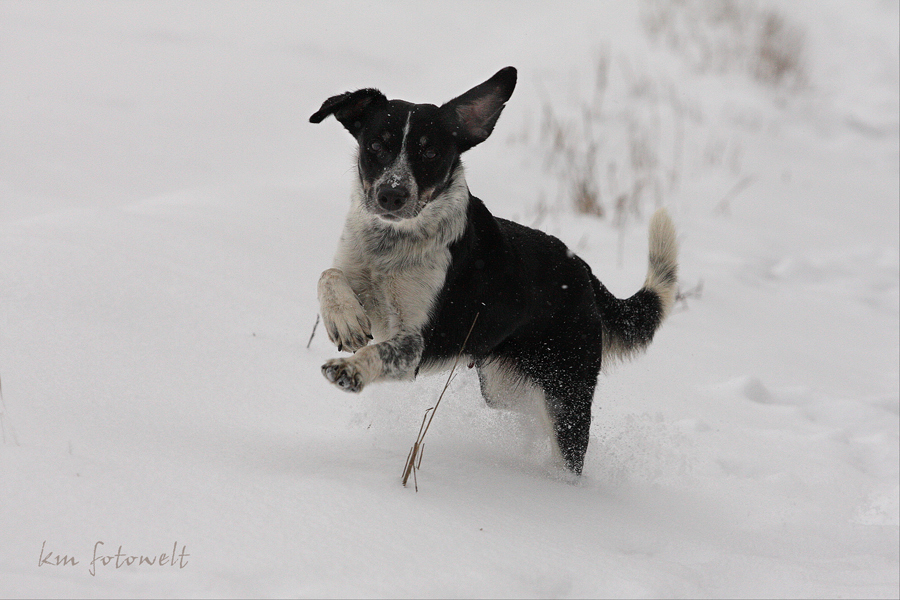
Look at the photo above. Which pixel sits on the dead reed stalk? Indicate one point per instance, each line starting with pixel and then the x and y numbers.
pixel 313 334
pixel 414 459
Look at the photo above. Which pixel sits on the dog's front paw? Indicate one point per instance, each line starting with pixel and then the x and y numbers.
pixel 342 373
pixel 349 327
pixel 345 320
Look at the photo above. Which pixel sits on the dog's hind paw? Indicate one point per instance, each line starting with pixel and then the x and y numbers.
pixel 343 374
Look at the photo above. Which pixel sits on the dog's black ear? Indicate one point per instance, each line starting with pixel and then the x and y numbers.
pixel 472 116
pixel 350 108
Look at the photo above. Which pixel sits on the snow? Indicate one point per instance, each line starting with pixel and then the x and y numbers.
pixel 166 209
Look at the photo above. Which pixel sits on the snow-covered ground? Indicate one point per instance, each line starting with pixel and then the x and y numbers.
pixel 166 208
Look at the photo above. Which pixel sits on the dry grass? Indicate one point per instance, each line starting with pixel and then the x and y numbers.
pixel 627 136
pixel 619 150
pixel 719 36
pixel 414 459
pixel 779 51
pixel 313 333
pixel 724 205
pixel 682 297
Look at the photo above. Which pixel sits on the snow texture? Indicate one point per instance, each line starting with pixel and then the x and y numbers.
pixel 166 209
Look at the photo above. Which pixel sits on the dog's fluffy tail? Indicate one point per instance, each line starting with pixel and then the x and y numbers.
pixel 629 325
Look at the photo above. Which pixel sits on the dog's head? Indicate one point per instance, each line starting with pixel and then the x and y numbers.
pixel 408 153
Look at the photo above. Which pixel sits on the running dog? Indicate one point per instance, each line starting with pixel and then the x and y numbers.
pixel 421 259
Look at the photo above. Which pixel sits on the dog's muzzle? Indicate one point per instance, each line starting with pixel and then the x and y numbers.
pixel 394 202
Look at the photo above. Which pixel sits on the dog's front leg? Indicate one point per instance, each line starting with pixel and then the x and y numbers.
pixel 396 358
pixel 345 320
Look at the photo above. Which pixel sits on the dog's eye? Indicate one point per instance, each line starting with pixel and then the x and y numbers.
pixel 376 147
pixel 429 153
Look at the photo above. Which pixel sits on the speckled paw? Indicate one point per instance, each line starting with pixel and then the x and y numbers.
pixel 343 374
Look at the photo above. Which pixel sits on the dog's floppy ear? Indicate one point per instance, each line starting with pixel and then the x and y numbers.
pixel 472 116
pixel 350 107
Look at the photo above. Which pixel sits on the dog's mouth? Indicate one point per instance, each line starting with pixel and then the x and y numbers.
pixel 392 217
pixel 397 216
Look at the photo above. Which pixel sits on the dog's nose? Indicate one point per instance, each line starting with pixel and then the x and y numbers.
pixel 392 198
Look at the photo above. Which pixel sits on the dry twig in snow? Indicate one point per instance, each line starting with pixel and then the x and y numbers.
pixel 414 460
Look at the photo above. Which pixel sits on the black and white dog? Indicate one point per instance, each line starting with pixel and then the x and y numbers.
pixel 420 257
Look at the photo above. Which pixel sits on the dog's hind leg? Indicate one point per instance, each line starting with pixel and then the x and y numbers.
pixel 568 378
pixel 570 412
pixel 501 385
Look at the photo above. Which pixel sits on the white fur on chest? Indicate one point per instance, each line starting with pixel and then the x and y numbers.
pixel 398 300
pixel 397 275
